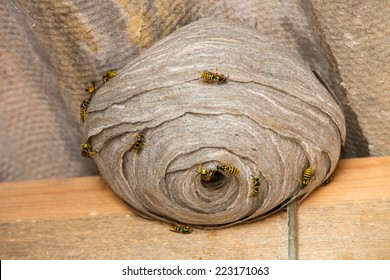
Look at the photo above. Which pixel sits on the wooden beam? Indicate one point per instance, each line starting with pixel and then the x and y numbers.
pixel 82 218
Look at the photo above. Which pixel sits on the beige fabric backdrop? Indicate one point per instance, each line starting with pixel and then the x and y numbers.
pixel 51 50
pixel 358 34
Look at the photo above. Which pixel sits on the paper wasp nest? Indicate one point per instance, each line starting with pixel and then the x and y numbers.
pixel 271 119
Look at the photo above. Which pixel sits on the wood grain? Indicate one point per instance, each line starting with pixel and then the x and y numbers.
pixel 82 218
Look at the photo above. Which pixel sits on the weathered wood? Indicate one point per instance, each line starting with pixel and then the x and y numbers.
pixel 292 230
pixel 82 218
pixel 349 219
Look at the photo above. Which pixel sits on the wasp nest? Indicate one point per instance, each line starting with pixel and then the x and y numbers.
pixel 271 120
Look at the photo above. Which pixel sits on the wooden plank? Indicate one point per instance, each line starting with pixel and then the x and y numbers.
pixel 350 218
pixel 82 218
pixel 46 199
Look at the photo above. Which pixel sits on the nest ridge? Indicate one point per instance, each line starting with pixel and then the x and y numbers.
pixel 271 119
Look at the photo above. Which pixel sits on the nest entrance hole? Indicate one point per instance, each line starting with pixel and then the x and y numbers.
pixel 216 181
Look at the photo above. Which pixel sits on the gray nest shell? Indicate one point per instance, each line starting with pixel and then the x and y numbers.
pixel 272 119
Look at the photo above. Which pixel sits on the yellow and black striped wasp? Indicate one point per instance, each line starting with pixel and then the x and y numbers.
pixel 306 177
pixel 86 150
pixel 139 142
pixel 92 88
pixel 255 186
pixel 109 75
pixel 83 109
pixel 213 77
pixel 229 169
pixel 184 229
pixel 330 178
pixel 207 174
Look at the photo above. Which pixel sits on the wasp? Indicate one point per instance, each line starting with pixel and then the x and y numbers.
pixel 207 174
pixel 229 169
pixel 110 74
pixel 139 142
pixel 182 229
pixel 212 77
pixel 306 177
pixel 92 88
pixel 83 109
pixel 254 191
pixel 86 150
pixel 255 181
pixel 329 179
